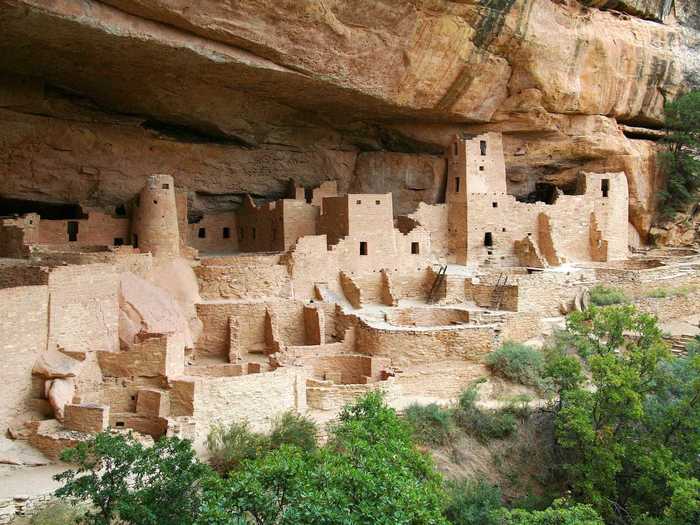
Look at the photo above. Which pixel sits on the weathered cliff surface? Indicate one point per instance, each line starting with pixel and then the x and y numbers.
pixel 234 97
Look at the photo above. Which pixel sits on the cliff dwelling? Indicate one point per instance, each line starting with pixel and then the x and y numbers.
pixel 223 212
pixel 136 318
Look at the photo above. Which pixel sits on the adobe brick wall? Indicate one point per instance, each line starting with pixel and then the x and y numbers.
pixel 214 240
pixel 84 312
pixel 156 356
pixel 257 398
pixel 99 229
pixel 23 336
pixel 427 316
pixel 86 417
pixel 244 277
pixel 251 319
pixel 413 346
pixel 327 396
pixel 12 275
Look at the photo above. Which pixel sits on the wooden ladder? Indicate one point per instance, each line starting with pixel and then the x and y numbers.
pixel 439 278
pixel 499 291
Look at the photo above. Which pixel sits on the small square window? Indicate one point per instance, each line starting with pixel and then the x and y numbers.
pixel 415 248
pixel 118 241
pixel 503 229
pixel 358 202
pixel 377 202
pixel 227 232
pixel 202 233
pixel 119 424
pixel 166 186
pixel 494 204
pixel 481 168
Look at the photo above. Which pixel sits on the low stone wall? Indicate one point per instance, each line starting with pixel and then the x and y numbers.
pixel 667 308
pixel 425 345
pixel 326 395
pixel 244 277
pixel 427 316
pixel 11 508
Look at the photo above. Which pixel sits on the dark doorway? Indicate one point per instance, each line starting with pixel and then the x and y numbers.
pixel 363 247
pixel 202 233
pixel 456 184
pixel 118 241
pixel 488 239
pixel 72 231
pixel 136 240
pixel 415 248
pixel 227 232
pixel 482 146
pixel 605 186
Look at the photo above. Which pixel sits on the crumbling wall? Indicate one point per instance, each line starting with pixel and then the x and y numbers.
pixel 251 319
pixel 99 229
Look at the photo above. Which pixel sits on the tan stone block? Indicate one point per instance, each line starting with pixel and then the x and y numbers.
pixel 152 402
pixel 86 417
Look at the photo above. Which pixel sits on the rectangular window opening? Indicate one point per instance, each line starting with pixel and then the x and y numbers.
pixel 274 233
pixel 377 202
pixel 72 231
pixel 456 184
pixel 605 187
pixel 415 248
pixel 227 232
pixel 118 241
pixel 166 186
pixel 482 147
pixel 136 241
pixel 494 204
pixel 481 168
pixel 202 233
pixel 363 247
pixel 455 149
pixel 488 239
pixel 253 233
pixel 359 202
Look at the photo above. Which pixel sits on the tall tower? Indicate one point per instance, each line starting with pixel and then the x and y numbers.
pixel 155 224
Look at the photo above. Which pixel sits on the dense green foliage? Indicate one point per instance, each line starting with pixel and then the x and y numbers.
pixel 558 514
pixel 483 424
pixel 606 296
pixel 518 363
pixel 630 434
pixel 680 162
pixel 369 472
pixel 473 503
pixel 431 424
pixel 294 429
pixel 229 446
pixel 123 479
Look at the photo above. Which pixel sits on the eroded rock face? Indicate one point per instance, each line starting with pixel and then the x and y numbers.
pixel 236 97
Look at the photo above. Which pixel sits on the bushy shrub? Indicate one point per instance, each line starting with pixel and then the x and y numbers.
pixel 58 513
pixel 431 424
pixel 230 445
pixel 557 514
pixel 293 429
pixel 518 363
pixel 605 296
pixel 473 503
pixel 661 293
pixel 483 424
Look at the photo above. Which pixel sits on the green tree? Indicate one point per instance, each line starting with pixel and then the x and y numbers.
pixel 630 434
pixel 557 514
pixel 121 479
pixel 369 472
pixel 680 162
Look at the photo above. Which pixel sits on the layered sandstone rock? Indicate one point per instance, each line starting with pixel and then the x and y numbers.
pixel 236 97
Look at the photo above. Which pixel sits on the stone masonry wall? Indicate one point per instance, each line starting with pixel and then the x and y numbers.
pixel 23 336
pixel 84 311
